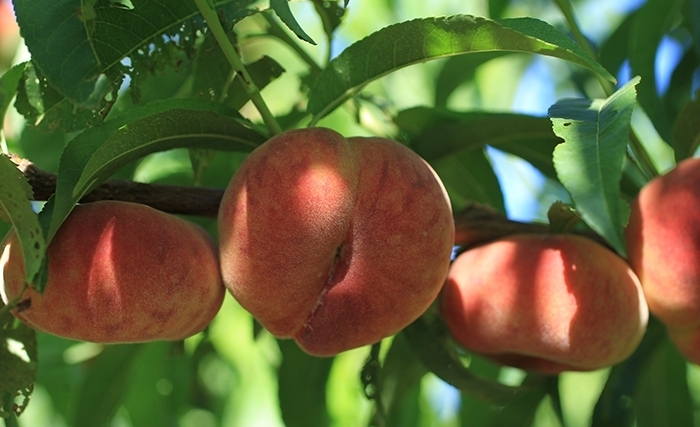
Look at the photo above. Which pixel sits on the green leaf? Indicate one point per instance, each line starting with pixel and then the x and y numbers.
pixel 589 162
pixel 458 70
pixel 8 88
pixel 48 110
pixel 18 362
pixel 79 46
pixel 686 133
pixel 331 14
pixel 411 42
pixel 15 196
pixel 435 133
pixel 400 378
pixel 94 155
pixel 104 386
pixel 469 177
pixel 302 387
pixel 281 8
pixel 654 20
pixel 434 353
pixel 662 398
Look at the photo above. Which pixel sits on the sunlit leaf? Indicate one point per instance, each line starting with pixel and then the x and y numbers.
pixel 589 162
pixel 411 42
pixel 16 209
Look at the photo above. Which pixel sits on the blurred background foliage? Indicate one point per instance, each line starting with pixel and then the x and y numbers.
pixel 234 374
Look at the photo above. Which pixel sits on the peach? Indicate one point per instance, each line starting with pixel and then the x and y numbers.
pixel 120 272
pixel 334 242
pixel 547 303
pixel 663 245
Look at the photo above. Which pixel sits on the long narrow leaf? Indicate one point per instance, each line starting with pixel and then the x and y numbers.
pixel 589 163
pixel 411 42
pixel 98 152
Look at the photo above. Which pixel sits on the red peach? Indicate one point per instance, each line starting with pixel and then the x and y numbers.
pixel 120 272
pixel 547 303
pixel 334 242
pixel 663 244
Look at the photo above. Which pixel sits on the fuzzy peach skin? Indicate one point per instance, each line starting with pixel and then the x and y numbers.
pixel 118 273
pixel 663 245
pixel 547 303
pixel 334 242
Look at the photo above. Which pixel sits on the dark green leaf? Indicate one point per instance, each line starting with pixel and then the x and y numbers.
pixel 400 378
pixel 469 177
pixel 331 14
pixel 79 46
pixel 48 110
pixel 654 19
pixel 435 133
pixel 16 208
pixel 98 152
pixel 159 382
pixel 302 387
pixel 686 133
pixel 438 358
pixel 411 42
pixel 8 88
pixel 589 162
pixel 281 8
pixel 105 385
pixel 661 398
pixel 615 404
pixel 497 8
pixel 18 362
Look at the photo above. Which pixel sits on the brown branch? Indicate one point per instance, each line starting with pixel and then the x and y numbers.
pixel 474 225
pixel 197 201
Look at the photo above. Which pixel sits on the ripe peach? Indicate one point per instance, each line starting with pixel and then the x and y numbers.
pixel 334 242
pixel 548 303
pixel 120 272
pixel 663 245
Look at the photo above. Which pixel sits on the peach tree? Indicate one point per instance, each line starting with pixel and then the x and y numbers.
pixel 538 117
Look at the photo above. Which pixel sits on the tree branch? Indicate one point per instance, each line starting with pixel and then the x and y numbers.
pixel 474 225
pixel 197 201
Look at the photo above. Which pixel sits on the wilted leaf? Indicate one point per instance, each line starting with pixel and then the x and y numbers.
pixel 411 42
pixel 589 162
